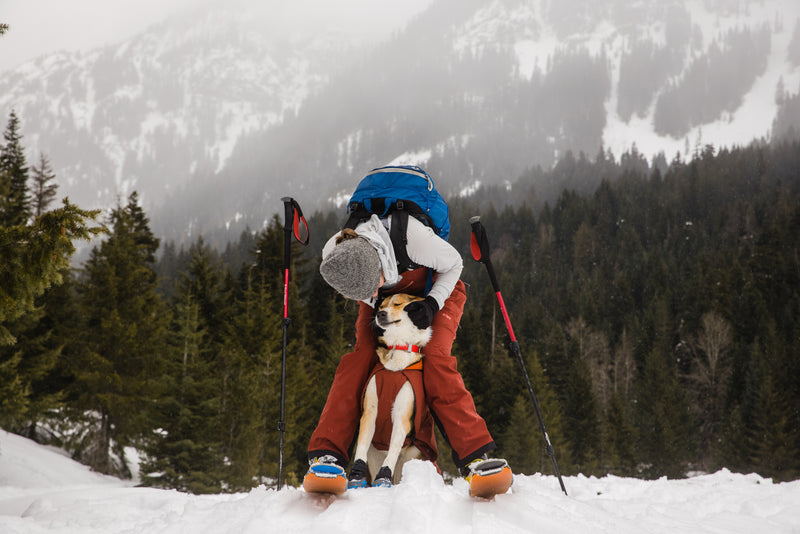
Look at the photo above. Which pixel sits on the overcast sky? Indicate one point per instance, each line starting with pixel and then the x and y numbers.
pixel 37 27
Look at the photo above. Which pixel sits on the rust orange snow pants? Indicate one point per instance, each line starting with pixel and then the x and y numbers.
pixel 448 398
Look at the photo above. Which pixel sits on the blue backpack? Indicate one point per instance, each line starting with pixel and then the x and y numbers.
pixel 397 192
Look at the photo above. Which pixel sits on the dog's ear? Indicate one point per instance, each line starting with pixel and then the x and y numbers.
pixel 421 312
pixel 382 301
pixel 409 299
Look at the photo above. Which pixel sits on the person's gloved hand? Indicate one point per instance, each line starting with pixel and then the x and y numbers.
pixel 421 312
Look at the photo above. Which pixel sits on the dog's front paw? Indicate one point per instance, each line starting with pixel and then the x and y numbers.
pixel 384 478
pixel 358 475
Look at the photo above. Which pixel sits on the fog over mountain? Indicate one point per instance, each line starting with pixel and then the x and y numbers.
pixel 213 116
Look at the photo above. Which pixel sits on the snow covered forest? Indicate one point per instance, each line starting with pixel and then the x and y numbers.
pixel 656 305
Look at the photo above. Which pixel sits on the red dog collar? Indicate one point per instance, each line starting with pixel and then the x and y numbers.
pixel 406 347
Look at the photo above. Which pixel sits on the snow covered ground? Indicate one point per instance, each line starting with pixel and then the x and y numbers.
pixel 41 490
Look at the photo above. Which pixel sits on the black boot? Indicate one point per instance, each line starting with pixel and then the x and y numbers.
pixel 384 478
pixel 358 475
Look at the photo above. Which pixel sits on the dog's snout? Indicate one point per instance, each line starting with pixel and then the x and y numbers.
pixel 381 316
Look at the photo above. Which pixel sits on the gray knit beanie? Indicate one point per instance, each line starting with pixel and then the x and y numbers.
pixel 353 269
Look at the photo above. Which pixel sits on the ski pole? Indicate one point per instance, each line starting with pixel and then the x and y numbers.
pixel 292 217
pixel 479 246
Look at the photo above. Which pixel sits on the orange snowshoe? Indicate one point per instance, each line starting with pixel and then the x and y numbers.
pixel 489 477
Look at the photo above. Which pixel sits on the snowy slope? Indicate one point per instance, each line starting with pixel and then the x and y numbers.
pixel 165 106
pixel 43 491
pixel 752 120
pixel 535 37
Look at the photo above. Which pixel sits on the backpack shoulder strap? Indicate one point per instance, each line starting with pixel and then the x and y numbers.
pixel 398 234
pixel 399 237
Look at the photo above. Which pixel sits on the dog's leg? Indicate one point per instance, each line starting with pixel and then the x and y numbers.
pixel 366 430
pixel 375 458
pixel 402 421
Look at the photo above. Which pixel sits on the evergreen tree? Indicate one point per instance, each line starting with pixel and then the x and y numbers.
pixel 251 367
pixel 734 449
pixel 52 335
pixel 330 325
pixel 43 344
pixel 35 258
pixel 773 438
pixel 664 427
pixel 582 419
pixel 14 392
pixel 477 348
pixel 124 339
pixel 709 379
pixel 186 451
pixel 32 359
pixel 773 435
pixel 43 191
pixel 489 372
pixel 15 207
pixel 618 454
pixel 522 443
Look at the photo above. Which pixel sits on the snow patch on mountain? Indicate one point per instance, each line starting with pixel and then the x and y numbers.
pixel 166 105
pixel 752 120
pixel 530 32
pixel 419 158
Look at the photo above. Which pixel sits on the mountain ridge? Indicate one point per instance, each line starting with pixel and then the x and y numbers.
pixel 212 120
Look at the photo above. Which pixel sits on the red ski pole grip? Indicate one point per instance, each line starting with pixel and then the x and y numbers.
pixel 479 242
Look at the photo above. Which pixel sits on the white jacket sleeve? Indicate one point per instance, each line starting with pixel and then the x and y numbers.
pixel 429 250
